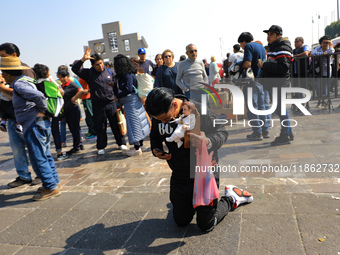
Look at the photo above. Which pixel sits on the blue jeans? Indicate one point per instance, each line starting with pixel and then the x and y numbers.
pixel 321 90
pixel 260 100
pixel 63 130
pixel 285 129
pixel 17 143
pixel 38 140
pixel 56 133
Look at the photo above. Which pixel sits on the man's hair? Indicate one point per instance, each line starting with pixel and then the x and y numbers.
pixel 300 39
pixel 159 101
pixel 245 37
pixel 95 57
pixel 237 47
pixel 10 48
pixel 41 71
pixel 325 37
pixel 187 48
pixel 13 73
pixel 63 73
pixel 62 67
pixel 123 65
pixel 228 55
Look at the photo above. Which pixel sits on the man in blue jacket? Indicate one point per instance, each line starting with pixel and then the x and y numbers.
pixel 30 106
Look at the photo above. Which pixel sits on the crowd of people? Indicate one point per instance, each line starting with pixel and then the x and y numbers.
pixel 176 89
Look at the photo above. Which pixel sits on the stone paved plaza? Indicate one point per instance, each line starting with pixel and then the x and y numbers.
pixel 112 204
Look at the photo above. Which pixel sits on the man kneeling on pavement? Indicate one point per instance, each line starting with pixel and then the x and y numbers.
pixel 165 107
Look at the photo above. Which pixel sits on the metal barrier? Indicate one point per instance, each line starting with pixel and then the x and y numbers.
pixel 317 74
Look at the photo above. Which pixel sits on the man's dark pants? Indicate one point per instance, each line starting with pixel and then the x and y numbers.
pixel 102 113
pixel 181 195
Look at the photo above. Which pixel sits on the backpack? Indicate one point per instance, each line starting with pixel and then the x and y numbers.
pixel 239 75
pixel 54 99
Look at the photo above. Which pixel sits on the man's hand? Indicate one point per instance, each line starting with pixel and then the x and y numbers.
pixel 196 140
pixel 87 55
pixel 73 100
pixel 160 156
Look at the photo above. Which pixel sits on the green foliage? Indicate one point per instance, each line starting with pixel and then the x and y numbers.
pixel 333 30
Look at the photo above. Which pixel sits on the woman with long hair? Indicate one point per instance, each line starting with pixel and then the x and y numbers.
pixel 138 126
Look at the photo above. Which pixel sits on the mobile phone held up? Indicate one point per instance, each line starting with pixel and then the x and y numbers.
pixel 160 150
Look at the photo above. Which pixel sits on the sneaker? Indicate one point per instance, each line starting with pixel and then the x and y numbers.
pixel 265 135
pixel 46 194
pixel 254 137
pixel 72 151
pixel 239 196
pixel 134 152
pixel 18 182
pixel 62 156
pixel 144 148
pixel 281 140
pixel 90 137
pixel 291 136
pixel 40 189
pixel 36 181
pixel 81 147
pixel 123 147
pixel 87 134
pixel 18 128
pixel 3 127
pixel 63 145
pixel 101 152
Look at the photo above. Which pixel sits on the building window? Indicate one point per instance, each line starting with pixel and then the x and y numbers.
pixel 127 44
pixel 113 41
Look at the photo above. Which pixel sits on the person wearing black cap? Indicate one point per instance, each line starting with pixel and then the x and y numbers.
pixel 277 67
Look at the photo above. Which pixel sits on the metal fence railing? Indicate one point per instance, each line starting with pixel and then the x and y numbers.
pixel 320 74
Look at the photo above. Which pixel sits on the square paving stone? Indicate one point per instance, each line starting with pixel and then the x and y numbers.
pixel 10 215
pixel 30 226
pixel 136 202
pixel 163 203
pixel 66 200
pixel 222 240
pixel 269 234
pixel 39 251
pixel 157 234
pixel 313 227
pixel 68 229
pixel 19 200
pixel 7 249
pixel 315 204
pixel 111 232
pixel 269 204
pixel 98 201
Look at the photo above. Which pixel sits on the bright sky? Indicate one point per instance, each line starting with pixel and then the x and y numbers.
pixel 54 32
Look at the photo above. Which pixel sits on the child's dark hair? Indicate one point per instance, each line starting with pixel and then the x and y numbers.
pixel 41 71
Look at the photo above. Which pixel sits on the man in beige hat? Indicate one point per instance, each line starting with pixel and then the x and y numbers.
pixel 16 138
pixel 30 106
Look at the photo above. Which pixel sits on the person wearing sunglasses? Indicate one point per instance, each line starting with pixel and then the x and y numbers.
pixel 191 73
pixel 167 73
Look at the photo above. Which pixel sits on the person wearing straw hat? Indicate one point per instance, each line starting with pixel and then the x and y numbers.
pixel 30 105
pixel 16 139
